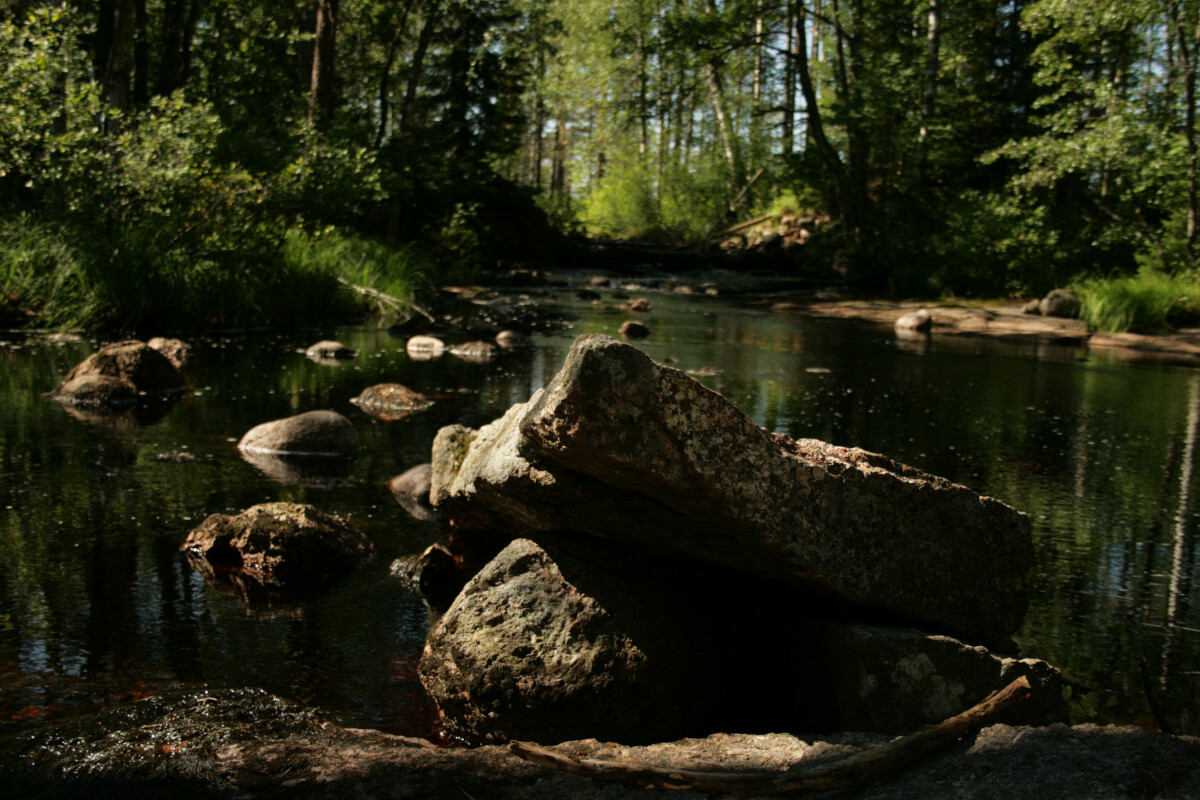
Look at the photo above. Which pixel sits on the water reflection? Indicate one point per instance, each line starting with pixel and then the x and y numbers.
pixel 96 601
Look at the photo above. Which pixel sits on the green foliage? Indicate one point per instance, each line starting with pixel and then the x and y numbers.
pixel 623 206
pixel 1149 302
pixel 988 244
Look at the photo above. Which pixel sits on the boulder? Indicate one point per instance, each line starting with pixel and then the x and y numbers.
pixel 175 350
pixel 618 446
pixel 319 433
pixel 632 329
pixel 132 363
pixel 919 320
pixel 411 490
pixel 1060 303
pixel 98 391
pixel 327 351
pixel 640 305
pixel 553 640
pixel 424 348
pixel 280 544
pixel 391 401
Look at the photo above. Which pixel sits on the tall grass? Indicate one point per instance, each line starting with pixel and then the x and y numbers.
pixel 127 282
pixel 394 271
pixel 1149 302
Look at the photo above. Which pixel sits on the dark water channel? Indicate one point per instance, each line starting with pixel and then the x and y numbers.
pixel 97 604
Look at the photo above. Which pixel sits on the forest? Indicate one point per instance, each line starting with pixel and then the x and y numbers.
pixel 184 164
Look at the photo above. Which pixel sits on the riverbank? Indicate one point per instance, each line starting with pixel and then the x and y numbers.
pixel 1005 321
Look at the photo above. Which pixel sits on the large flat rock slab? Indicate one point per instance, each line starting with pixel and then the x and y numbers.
pixel 621 447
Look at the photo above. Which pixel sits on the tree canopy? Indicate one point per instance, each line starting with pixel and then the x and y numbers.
pixel 986 146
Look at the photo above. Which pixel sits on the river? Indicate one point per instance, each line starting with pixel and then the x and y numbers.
pixel 98 606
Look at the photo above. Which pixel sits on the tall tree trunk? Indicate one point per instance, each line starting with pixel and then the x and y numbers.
pixel 787 138
pixel 322 96
pixel 1187 61
pixel 179 18
pixel 933 45
pixel 417 66
pixel 385 78
pixel 141 57
pixel 120 63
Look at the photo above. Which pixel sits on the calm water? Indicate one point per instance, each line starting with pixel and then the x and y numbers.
pixel 97 605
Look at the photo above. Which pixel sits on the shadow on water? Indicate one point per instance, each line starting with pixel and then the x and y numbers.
pixel 97 604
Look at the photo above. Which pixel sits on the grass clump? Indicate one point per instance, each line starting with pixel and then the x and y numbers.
pixel 57 277
pixel 1149 302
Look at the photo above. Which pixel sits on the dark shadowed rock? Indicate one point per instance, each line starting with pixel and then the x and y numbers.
pixel 391 401
pixel 324 433
pixel 281 544
pixel 632 329
pixel 892 680
pixel 583 638
pixel 175 350
pixel 95 390
pixel 434 574
pixel 105 377
pixel 411 490
pixel 618 446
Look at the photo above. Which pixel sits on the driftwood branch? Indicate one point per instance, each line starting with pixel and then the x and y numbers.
pixel 853 771
pixel 395 303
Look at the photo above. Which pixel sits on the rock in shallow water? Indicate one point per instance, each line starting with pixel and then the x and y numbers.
pixel 120 374
pixel 286 545
pixel 320 433
pixel 618 446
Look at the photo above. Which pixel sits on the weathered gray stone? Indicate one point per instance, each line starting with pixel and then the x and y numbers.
pixel 391 401
pixel 281 544
pixel 1060 303
pixel 130 362
pixel 325 433
pixel 330 352
pixel 618 446
pixel 475 352
pixel 919 320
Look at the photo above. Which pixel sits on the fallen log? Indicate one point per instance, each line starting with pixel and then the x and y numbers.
pixel 850 772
